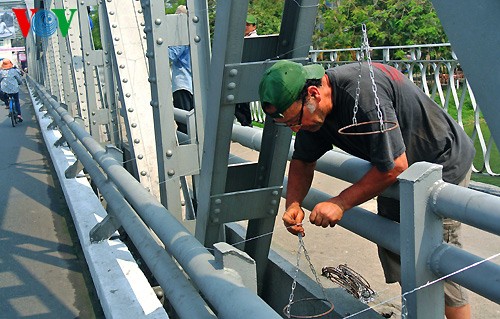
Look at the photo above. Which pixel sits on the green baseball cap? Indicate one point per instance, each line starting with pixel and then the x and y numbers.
pixel 251 19
pixel 282 83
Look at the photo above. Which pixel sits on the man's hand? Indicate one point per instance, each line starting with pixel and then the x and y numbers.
pixel 292 218
pixel 327 213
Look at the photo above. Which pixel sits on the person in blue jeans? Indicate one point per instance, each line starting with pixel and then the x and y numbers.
pixel 182 76
pixel 10 79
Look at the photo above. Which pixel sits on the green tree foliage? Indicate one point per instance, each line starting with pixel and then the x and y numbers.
pixel 268 14
pixel 389 22
pixel 171 5
pixel 338 23
pixel 96 30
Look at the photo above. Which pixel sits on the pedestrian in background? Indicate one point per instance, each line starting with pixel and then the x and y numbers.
pixel 10 79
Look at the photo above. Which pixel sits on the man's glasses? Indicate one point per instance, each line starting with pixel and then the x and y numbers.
pixel 299 122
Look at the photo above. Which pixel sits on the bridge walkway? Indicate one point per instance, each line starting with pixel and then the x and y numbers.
pixel 43 273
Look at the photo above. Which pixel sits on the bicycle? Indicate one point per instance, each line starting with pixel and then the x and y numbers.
pixel 12 112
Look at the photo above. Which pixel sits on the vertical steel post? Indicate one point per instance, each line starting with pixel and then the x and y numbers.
pixel 423 233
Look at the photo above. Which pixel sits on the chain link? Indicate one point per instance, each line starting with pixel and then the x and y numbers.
pixel 365 50
pixel 294 283
pixel 316 277
pixel 372 76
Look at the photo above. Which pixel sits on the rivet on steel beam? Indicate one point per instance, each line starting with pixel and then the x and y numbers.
pixel 158 21
pixel 122 66
pixel 140 156
pixel 131 110
pixel 159 41
pixel 233 72
pixel 271 212
pixel 169 153
pixel 144 173
pixel 275 193
pixel 134 125
pixel 114 25
pixel 94 122
pixel 117 39
pixel 142 24
pixel 274 202
pixel 125 80
pixel 197 39
pixel 119 52
pixel 196 19
pixel 152 80
pixel 231 85
pixel 230 98
pixel 218 201
pixel 137 141
pixel 127 95
pixel 93 113
pixel 217 211
pixel 111 12
pixel 171 172
pixel 154 103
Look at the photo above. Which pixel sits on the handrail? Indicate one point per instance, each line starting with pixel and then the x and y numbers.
pixel 485 216
pixel 217 285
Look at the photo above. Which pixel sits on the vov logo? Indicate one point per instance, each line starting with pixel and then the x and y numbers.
pixel 44 23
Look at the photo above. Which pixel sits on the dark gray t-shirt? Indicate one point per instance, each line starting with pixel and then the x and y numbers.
pixel 425 131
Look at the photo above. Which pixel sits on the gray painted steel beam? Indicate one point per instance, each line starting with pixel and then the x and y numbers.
pixel 473 272
pixel 122 23
pixel 472 207
pixel 423 231
pixel 470 28
pixel 217 285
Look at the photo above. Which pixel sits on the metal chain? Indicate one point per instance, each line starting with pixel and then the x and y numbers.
pixel 301 242
pixel 358 88
pixel 294 283
pixel 366 46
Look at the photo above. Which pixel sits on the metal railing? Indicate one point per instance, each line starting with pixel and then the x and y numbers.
pixel 430 196
pixel 137 210
pixel 145 120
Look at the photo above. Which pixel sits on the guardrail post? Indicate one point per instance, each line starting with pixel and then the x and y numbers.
pixel 423 232
pixel 233 259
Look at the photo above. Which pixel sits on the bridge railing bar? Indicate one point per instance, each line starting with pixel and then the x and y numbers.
pixel 222 289
pixel 474 208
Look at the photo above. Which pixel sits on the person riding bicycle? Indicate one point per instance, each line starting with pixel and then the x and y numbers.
pixel 10 79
